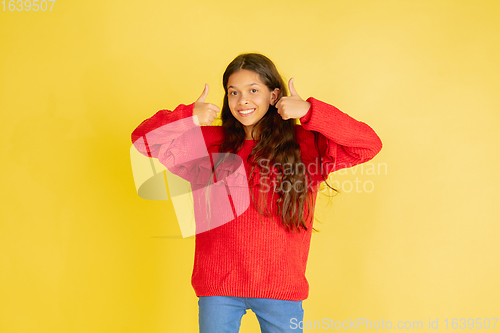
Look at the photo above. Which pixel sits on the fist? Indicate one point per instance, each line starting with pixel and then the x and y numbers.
pixel 292 107
pixel 205 113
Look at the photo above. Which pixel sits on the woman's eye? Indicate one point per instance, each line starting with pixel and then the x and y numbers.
pixel 232 93
pixel 253 90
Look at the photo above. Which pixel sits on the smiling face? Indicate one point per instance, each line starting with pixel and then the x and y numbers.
pixel 249 98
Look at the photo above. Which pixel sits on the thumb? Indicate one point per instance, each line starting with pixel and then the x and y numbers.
pixel 203 94
pixel 293 92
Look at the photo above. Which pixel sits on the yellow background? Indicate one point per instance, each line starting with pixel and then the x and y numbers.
pixel 81 252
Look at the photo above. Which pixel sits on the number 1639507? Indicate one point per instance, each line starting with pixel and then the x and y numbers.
pixel 27 5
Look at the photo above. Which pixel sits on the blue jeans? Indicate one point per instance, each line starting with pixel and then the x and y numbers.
pixel 222 314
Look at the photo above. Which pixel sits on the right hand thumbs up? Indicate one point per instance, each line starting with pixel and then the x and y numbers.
pixel 203 94
pixel 205 112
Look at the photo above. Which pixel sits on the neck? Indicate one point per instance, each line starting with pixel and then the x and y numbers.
pixel 248 133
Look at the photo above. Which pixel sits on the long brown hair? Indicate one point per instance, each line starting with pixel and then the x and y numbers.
pixel 277 144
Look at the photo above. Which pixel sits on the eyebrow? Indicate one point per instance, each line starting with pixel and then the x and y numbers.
pixel 251 84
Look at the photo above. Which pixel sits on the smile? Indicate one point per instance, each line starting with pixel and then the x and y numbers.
pixel 245 113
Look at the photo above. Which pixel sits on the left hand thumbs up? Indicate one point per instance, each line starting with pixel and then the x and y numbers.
pixel 293 92
pixel 292 107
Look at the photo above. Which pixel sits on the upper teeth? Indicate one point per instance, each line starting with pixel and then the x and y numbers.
pixel 247 111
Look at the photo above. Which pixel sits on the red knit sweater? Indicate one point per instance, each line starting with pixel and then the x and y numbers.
pixel 254 255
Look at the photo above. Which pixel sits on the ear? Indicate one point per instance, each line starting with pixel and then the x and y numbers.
pixel 275 94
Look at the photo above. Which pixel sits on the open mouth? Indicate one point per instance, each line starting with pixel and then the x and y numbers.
pixel 245 113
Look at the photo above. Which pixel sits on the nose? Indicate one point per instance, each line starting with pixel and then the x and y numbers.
pixel 243 98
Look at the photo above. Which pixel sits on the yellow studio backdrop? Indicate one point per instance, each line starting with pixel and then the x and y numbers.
pixel 413 236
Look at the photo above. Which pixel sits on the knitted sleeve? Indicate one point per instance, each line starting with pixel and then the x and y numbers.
pixel 152 133
pixel 177 142
pixel 344 140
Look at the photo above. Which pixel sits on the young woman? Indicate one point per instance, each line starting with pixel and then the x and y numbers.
pixel 257 260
